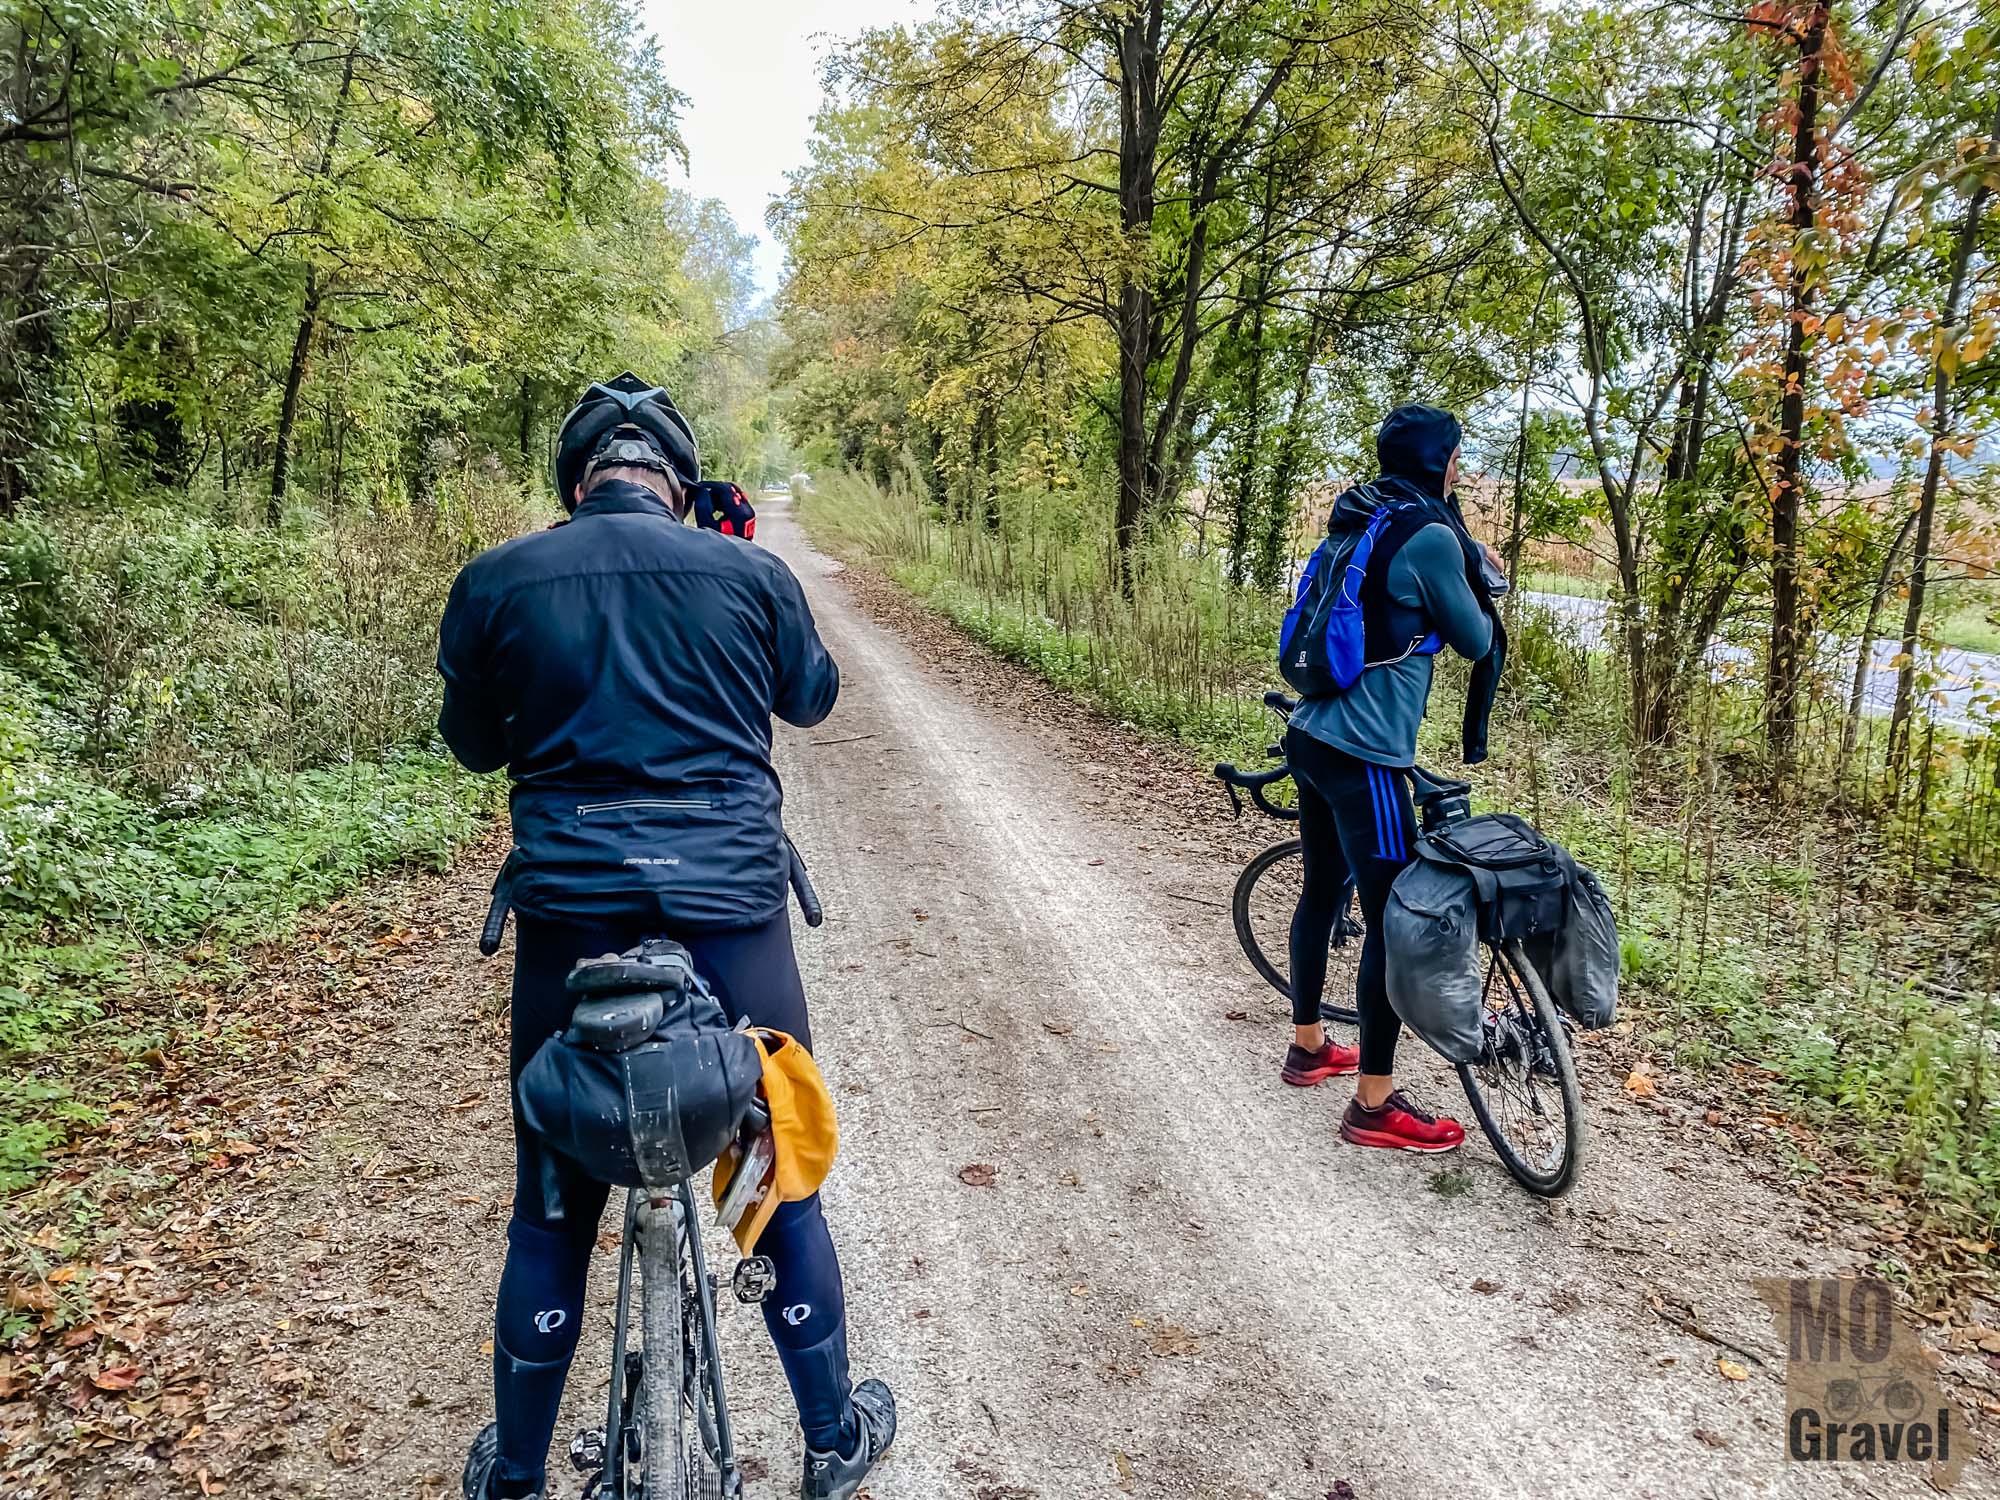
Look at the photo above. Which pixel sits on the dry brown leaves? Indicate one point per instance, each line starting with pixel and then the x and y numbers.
pixel 158 1212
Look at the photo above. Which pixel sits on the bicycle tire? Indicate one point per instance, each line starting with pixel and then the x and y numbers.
pixel 1281 867
pixel 663 1454
pixel 1512 963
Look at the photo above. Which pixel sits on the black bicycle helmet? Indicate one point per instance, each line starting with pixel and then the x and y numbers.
pixel 625 422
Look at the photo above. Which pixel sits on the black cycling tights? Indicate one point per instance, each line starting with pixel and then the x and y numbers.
pixel 556 1209
pixel 1356 817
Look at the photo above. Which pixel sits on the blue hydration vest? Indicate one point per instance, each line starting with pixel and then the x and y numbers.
pixel 1342 620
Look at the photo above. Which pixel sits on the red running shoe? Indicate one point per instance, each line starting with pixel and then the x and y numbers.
pixel 1400 1126
pixel 1303 1069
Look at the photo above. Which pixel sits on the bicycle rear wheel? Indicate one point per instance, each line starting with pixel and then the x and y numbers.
pixel 1267 894
pixel 1523 1087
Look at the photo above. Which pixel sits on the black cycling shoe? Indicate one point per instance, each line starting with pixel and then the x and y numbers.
pixel 481 1462
pixel 836 1476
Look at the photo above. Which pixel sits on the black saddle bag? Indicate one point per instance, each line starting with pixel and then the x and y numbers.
pixel 1522 879
pixel 649 1083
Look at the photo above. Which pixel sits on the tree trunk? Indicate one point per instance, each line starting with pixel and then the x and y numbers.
pixel 1272 547
pixel 1781 691
pixel 295 373
pixel 1516 534
pixel 527 420
pixel 1864 655
pixel 288 410
pixel 1248 458
pixel 1138 147
pixel 1941 391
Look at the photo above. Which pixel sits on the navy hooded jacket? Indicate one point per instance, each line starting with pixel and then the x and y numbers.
pixel 624 668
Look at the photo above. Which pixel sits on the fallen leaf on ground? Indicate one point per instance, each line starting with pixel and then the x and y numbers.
pixel 1713 1439
pixel 1058 1028
pixel 1235 1015
pixel 978 1174
pixel 1986 1340
pixel 1731 1370
pixel 1639 1083
pixel 117 1378
pixel 340 1446
pixel 1484 1287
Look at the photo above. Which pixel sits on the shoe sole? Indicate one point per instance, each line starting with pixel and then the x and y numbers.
pixel 1318 1075
pixel 1383 1140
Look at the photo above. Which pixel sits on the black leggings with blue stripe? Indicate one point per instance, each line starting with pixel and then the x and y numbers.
pixel 1356 817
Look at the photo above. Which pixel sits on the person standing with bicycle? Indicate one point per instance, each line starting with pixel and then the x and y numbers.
pixel 624 668
pixel 1401 574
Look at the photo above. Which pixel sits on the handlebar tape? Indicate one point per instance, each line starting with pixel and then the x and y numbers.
pixel 802 887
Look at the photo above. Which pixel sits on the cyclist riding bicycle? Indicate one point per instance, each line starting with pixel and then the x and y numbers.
pixel 1427 585
pixel 624 668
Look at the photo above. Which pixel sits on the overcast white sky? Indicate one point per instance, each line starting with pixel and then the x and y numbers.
pixel 750 69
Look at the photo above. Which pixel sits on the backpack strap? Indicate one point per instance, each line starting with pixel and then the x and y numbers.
pixel 1392 631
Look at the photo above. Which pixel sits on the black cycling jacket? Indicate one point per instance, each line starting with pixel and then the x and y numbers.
pixel 624 668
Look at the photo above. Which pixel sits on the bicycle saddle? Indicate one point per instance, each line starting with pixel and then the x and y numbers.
pixel 1429 785
pixel 617 1023
pixel 659 965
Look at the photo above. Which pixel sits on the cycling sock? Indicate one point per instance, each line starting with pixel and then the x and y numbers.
pixel 534 1337
pixel 807 1316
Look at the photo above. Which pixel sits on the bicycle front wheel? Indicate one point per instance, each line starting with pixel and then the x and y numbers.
pixel 1267 894
pixel 1523 1087
pixel 664 1455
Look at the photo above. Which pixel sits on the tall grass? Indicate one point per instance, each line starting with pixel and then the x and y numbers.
pixel 1177 653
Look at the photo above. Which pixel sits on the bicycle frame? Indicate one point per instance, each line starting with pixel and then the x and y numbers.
pixel 644 1214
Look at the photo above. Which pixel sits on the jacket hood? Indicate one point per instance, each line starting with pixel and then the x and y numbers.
pixel 1351 512
pixel 1416 443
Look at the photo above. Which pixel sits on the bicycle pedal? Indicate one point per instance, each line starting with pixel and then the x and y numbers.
pixel 753 1279
pixel 586 1450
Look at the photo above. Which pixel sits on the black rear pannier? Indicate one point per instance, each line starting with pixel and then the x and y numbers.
pixel 649 1083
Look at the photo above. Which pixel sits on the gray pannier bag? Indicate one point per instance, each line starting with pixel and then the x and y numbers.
pixel 1430 929
pixel 1581 962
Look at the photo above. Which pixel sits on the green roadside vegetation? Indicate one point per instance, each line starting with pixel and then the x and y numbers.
pixel 291 301
pixel 206 728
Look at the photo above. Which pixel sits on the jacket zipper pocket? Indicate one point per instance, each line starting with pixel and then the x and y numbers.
pixel 584 809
